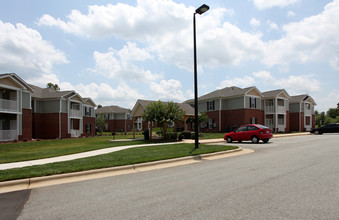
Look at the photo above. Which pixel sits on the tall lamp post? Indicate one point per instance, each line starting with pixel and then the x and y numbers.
pixel 202 9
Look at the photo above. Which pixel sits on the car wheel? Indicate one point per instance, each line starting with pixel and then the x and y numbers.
pixel 229 140
pixel 316 132
pixel 254 139
pixel 265 140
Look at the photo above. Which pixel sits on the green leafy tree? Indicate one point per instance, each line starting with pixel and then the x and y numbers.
pixel 319 118
pixel 163 114
pixel 100 123
pixel 99 106
pixel 53 86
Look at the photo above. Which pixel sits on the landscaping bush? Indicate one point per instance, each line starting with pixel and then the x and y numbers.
pixel 172 136
pixel 186 134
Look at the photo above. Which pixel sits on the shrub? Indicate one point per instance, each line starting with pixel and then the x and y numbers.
pixel 186 134
pixel 172 135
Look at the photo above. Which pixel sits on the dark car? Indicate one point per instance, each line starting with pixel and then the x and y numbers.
pixel 329 128
pixel 253 132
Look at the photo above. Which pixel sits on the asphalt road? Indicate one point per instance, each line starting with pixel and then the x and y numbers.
pixel 288 178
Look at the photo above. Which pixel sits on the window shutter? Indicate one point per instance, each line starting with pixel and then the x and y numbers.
pixel 208 105
pixel 213 106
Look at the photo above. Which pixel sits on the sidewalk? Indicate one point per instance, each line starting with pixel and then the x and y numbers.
pixel 6 166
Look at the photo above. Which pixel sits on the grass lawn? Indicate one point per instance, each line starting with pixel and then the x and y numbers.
pixel 124 157
pixel 211 135
pixel 22 151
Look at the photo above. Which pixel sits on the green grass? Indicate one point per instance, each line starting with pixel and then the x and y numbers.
pixel 120 158
pixel 211 135
pixel 23 151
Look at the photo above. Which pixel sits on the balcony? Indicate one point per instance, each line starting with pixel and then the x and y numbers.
pixel 269 110
pixel 8 135
pixel 8 105
pixel 73 113
pixel 75 133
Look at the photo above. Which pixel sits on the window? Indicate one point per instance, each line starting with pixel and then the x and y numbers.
pixel 106 116
pixel 241 129
pixel 280 102
pixel 253 103
pixel 88 128
pixel 211 124
pixel 88 111
pixel 308 106
pixel 253 120
pixel 210 105
pixel 281 120
pixel 252 128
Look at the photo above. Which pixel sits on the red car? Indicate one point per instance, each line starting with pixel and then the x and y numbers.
pixel 253 132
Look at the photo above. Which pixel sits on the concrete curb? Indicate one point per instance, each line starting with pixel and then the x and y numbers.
pixel 30 183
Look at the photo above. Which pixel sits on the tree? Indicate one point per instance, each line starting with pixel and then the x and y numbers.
pixel 100 123
pixel 53 86
pixel 319 118
pixel 99 106
pixel 163 114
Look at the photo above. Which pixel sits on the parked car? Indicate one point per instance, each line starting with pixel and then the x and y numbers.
pixel 253 132
pixel 329 128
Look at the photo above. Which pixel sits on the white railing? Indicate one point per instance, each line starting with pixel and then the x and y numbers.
pixel 8 105
pixel 75 133
pixel 6 135
pixel 75 113
pixel 269 109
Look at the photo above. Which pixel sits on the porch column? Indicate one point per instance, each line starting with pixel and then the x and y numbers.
pixel 185 122
pixel 133 122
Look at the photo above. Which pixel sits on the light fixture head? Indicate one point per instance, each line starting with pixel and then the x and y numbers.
pixel 202 9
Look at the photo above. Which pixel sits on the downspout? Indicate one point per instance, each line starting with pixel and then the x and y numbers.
pixel 60 106
pixel 219 115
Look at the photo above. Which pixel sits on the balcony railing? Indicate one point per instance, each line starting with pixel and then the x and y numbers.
pixel 75 133
pixel 7 135
pixel 8 105
pixel 269 109
pixel 75 113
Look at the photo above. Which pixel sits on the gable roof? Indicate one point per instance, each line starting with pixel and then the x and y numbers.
pixel 302 98
pixel 140 105
pixel 112 109
pixel 46 93
pixel 89 101
pixel 229 92
pixel 18 81
pixel 276 93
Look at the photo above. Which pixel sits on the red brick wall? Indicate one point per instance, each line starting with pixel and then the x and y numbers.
pixel 294 121
pixel 114 125
pixel 26 124
pixel 91 121
pixel 287 121
pixel 46 125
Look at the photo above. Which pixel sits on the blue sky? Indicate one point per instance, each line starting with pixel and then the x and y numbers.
pixel 119 51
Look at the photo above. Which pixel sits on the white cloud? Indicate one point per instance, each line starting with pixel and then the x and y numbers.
pixel 265 4
pixel 330 100
pixel 294 85
pixel 241 82
pixel 290 14
pixel 104 94
pixel 272 25
pixel 170 90
pixel 254 22
pixel 314 39
pixel 119 64
pixel 23 51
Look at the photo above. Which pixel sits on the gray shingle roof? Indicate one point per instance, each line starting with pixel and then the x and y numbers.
pixel 112 109
pixel 49 93
pixel 184 106
pixel 273 93
pixel 225 93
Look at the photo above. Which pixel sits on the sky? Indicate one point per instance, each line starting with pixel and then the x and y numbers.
pixel 116 52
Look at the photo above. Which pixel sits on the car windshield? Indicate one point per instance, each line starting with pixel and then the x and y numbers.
pixel 263 127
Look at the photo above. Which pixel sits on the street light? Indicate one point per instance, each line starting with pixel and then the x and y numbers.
pixel 202 9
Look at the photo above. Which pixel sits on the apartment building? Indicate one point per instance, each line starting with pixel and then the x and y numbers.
pixel 28 111
pixel 116 118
